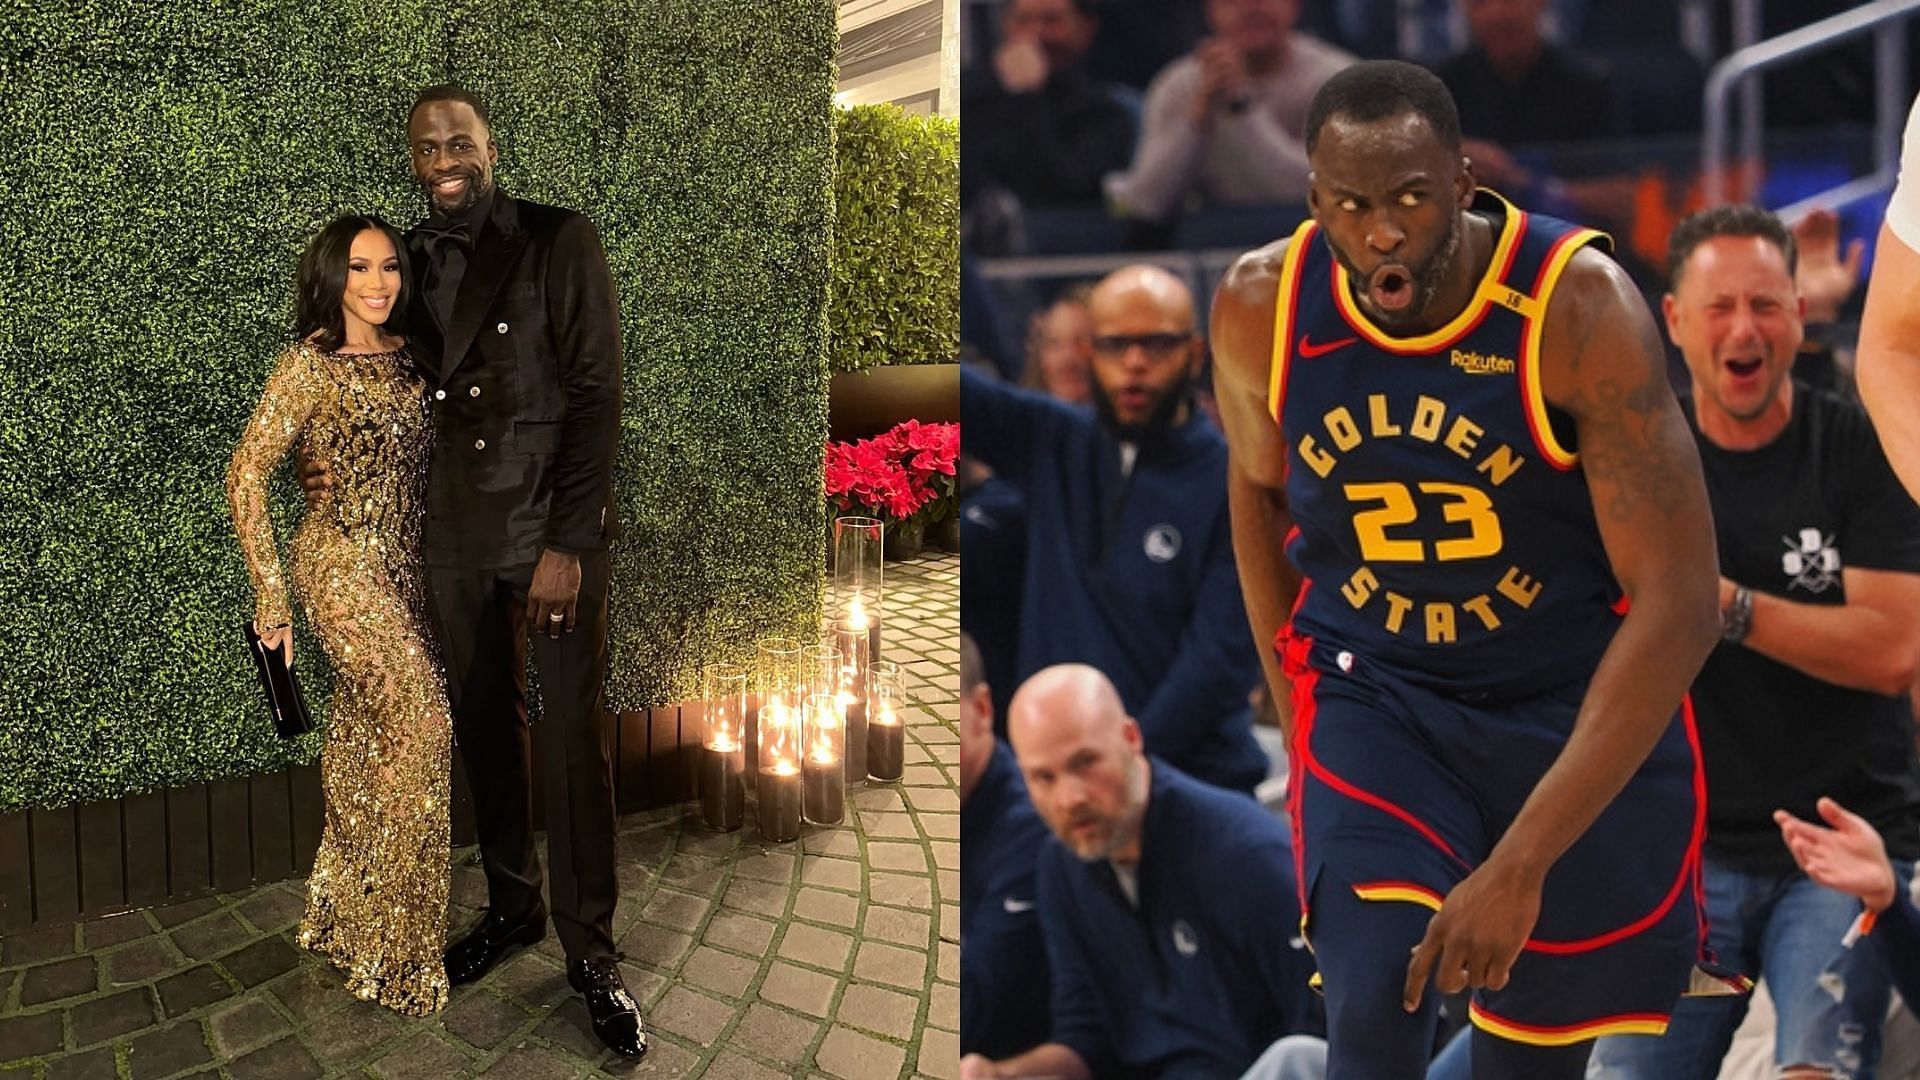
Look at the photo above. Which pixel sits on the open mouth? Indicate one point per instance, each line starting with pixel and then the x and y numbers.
pixel 1743 368
pixel 450 185
pixel 1391 287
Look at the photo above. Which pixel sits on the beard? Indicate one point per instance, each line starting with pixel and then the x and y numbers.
pixel 1158 422
pixel 1429 274
pixel 1117 831
pixel 478 187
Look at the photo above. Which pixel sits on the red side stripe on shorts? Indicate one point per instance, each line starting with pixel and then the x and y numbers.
pixel 1378 803
pixel 1293 660
pixel 1689 863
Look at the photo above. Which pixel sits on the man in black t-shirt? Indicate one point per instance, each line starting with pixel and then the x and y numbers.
pixel 1806 695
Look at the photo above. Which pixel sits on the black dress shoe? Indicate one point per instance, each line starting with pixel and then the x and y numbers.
pixel 474 955
pixel 616 1016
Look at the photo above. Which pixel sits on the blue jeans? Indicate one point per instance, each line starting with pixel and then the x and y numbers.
pixel 1829 1000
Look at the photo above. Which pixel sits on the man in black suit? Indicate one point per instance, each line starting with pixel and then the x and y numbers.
pixel 515 327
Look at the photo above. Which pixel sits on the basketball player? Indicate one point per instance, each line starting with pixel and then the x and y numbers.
pixel 1452 417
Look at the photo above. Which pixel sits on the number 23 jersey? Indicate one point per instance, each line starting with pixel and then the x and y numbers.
pixel 1442 521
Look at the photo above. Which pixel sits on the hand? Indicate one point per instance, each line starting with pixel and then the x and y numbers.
pixel 1223 78
pixel 280 637
pixel 978 1067
pixel 1823 278
pixel 1475 937
pixel 555 591
pixel 1849 858
pixel 1021 65
pixel 316 479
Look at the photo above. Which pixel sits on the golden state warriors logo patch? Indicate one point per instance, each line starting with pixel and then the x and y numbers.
pixel 1474 363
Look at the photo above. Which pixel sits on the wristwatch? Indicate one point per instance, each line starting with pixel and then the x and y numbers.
pixel 1737 617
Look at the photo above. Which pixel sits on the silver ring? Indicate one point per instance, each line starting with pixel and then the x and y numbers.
pixel 556 617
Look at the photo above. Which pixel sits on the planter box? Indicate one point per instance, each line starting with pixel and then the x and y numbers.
pixel 76 862
pixel 865 403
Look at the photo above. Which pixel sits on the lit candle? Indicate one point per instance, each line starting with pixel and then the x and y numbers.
pixel 823 771
pixel 721 778
pixel 723 782
pixel 780 801
pixel 825 780
pixel 886 746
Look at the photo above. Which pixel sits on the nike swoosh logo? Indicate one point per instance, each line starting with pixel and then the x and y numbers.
pixel 1015 907
pixel 1308 350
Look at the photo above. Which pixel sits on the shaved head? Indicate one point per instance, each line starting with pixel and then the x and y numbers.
pixel 1145 350
pixel 1129 289
pixel 1082 759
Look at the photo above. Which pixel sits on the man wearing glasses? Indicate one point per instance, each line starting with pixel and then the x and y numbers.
pixel 1129 562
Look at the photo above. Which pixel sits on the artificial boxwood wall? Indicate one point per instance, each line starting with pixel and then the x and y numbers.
pixel 896 260
pixel 161 168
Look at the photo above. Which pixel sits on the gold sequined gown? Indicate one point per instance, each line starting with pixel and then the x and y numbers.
pixel 377 897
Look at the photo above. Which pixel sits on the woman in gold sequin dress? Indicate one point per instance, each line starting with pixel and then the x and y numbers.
pixel 377 897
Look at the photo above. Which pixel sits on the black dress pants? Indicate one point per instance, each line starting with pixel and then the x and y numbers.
pixel 481 619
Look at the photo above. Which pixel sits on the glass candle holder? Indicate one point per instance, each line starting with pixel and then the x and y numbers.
pixel 778 780
pixel 850 637
pixel 886 723
pixel 722 780
pixel 820 669
pixel 823 771
pixel 776 672
pixel 859 569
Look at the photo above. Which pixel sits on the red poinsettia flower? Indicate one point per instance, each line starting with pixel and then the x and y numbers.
pixel 905 471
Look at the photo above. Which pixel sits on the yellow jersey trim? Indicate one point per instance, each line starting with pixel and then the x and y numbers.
pixel 1284 302
pixel 1566 1036
pixel 1485 293
pixel 1412 894
pixel 1534 398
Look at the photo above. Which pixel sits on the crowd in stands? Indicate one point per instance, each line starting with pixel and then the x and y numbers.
pixel 1128 909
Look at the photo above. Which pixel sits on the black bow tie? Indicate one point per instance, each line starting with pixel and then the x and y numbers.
pixel 434 234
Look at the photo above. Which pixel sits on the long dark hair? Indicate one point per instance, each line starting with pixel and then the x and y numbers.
pixel 323 279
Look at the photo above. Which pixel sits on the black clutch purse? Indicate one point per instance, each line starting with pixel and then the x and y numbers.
pixel 290 716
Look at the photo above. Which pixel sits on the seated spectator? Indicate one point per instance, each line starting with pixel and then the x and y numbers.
pixel 1849 856
pixel 1138 38
pixel 1169 907
pixel 1038 126
pixel 1129 558
pixel 1060 349
pixel 1003 960
pixel 1804 697
pixel 1224 123
pixel 1515 89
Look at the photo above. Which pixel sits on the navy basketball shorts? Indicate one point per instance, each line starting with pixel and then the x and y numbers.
pixel 1398 792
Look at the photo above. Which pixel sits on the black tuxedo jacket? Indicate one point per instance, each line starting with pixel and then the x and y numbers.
pixel 524 379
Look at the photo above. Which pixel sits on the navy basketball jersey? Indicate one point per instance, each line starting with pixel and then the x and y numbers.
pixel 1441 525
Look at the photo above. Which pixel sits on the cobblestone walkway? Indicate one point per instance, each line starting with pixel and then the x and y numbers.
pixel 835 955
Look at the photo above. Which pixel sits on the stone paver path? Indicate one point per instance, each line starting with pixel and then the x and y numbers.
pixel 836 955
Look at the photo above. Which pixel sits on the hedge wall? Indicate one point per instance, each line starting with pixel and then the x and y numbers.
pixel 896 262
pixel 161 168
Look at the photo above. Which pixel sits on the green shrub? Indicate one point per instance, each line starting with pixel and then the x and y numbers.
pixel 161 168
pixel 896 254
